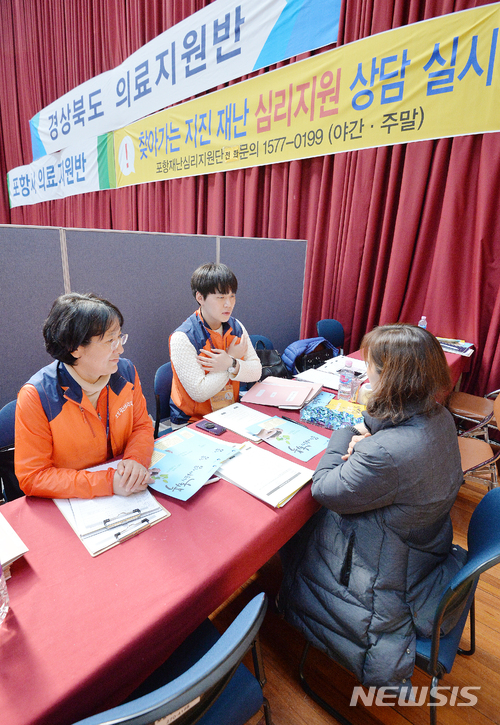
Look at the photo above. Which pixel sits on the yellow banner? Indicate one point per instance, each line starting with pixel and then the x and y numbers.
pixel 433 79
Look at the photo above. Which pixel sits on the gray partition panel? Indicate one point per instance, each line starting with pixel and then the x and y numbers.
pixel 30 280
pixel 147 277
pixel 270 275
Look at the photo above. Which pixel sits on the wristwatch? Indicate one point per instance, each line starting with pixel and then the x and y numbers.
pixel 232 368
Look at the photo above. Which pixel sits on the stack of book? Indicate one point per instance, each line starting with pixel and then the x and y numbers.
pixel 282 393
pixel 458 347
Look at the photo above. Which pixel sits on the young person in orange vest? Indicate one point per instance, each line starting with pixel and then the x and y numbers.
pixel 211 352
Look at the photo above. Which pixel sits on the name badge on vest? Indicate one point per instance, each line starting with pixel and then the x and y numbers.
pixel 224 398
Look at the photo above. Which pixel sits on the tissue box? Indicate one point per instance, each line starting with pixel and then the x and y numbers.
pixel 328 412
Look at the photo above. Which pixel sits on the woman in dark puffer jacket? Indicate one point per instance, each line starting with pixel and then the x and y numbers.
pixel 366 573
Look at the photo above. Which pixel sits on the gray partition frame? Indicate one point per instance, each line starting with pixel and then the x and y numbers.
pixel 31 277
pixel 147 276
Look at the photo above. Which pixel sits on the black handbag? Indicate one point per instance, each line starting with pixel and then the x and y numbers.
pixel 272 364
pixel 313 359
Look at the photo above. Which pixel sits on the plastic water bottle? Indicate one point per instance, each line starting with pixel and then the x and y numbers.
pixel 4 597
pixel 345 381
pixel 355 385
pixel 423 322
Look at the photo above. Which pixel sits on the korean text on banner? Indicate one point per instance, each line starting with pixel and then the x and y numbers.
pixel 77 170
pixel 225 40
pixel 421 81
pixel 417 82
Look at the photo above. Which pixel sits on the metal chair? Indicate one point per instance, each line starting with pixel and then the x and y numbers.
pixel 436 655
pixel 203 681
pixel 162 388
pixel 476 410
pixel 479 459
pixel 11 489
pixel 332 331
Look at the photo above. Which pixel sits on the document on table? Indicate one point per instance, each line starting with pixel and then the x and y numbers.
pixel 105 521
pixel 103 513
pixel 238 418
pixel 269 477
pixel 290 437
pixel 185 460
pixel 11 547
pixel 282 393
pixel 328 374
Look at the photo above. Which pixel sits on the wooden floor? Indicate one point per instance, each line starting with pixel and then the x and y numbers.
pixel 282 647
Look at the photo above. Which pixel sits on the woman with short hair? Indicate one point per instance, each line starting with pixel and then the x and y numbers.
pixel 366 573
pixel 83 409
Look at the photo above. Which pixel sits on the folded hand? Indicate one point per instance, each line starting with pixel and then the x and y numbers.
pixel 352 443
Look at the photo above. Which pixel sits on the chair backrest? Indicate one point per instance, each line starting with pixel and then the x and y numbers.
pixel 496 409
pixel 265 341
pixel 205 680
pixel 332 331
pixel 8 481
pixel 483 552
pixel 7 420
pixel 162 389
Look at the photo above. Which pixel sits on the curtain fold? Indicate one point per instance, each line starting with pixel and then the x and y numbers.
pixel 392 233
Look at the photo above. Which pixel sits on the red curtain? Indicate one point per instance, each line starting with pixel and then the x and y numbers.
pixel 392 233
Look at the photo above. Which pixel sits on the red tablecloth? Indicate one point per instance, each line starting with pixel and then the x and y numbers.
pixel 83 632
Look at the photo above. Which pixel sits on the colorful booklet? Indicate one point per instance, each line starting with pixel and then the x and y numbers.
pixel 290 437
pixel 184 461
pixel 328 412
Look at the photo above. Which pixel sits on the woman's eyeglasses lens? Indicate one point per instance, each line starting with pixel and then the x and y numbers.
pixel 119 341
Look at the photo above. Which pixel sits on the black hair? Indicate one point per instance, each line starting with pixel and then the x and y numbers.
pixel 74 320
pixel 213 279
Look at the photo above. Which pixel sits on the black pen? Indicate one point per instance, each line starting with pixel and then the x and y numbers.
pixel 290 420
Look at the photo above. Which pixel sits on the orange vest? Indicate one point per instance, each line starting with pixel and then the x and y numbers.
pixel 59 433
pixel 184 409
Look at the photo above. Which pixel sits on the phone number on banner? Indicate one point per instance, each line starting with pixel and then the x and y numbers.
pixel 264 151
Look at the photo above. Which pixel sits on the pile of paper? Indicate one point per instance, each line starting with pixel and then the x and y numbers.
pixel 105 521
pixel 327 375
pixel 238 418
pixel 458 347
pixel 265 475
pixel 11 546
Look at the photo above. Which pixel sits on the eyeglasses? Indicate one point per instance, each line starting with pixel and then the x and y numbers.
pixel 119 341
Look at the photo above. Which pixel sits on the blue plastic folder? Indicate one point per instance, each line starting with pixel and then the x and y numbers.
pixel 185 460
